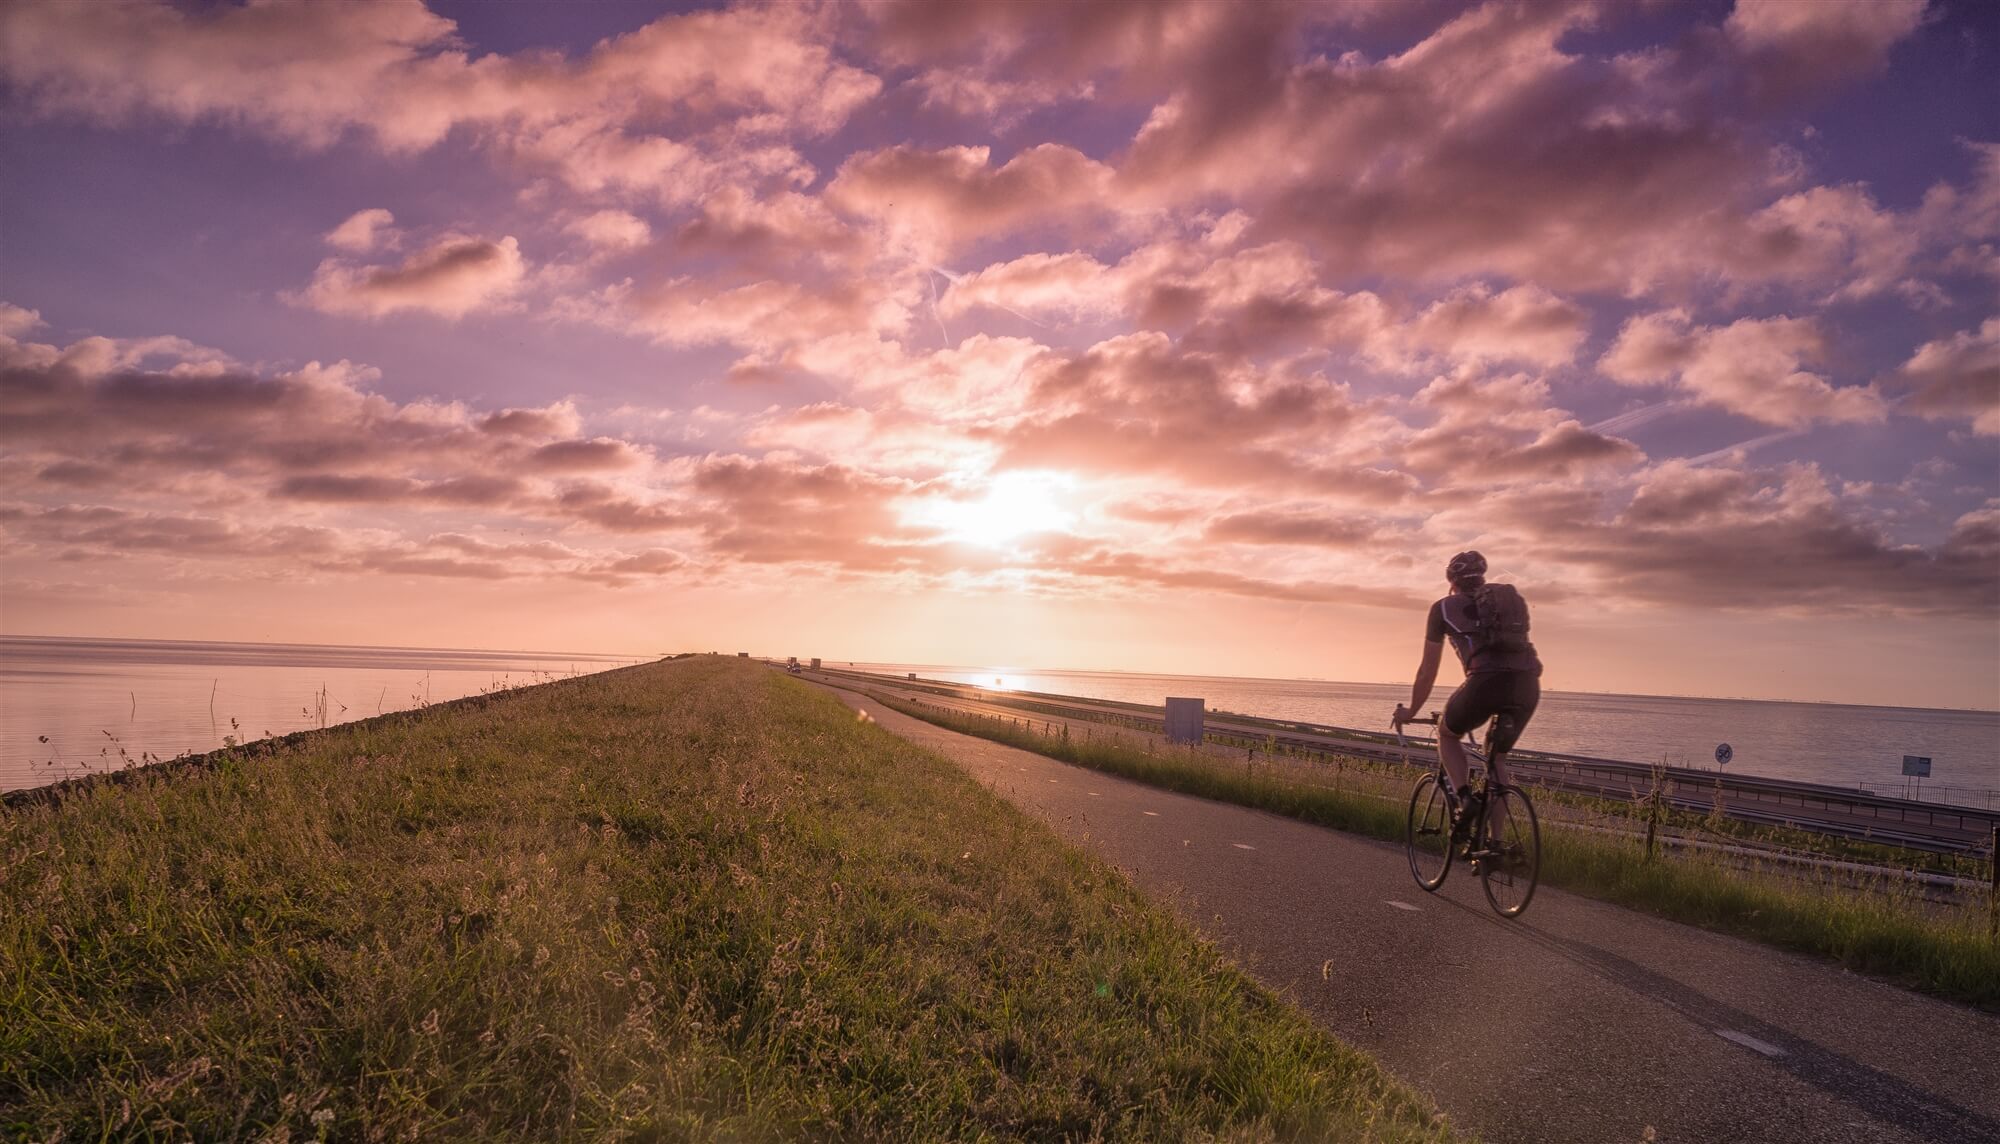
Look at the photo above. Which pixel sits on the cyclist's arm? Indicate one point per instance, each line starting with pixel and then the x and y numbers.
pixel 1427 673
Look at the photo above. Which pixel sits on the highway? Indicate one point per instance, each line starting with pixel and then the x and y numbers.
pixel 1579 1022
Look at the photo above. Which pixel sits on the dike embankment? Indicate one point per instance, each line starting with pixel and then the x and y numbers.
pixel 693 899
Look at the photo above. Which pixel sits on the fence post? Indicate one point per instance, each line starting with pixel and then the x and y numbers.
pixel 1993 893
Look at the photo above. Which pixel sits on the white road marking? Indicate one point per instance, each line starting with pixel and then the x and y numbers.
pixel 1243 846
pixel 1405 906
pixel 1150 813
pixel 1750 1042
pixel 1094 794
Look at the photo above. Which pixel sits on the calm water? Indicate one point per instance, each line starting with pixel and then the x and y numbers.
pixel 68 706
pixel 1814 742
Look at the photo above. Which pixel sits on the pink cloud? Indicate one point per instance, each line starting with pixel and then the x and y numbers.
pixel 1315 529
pixel 1793 48
pixel 934 201
pixel 770 234
pixel 1505 427
pixel 394 70
pixel 765 314
pixel 1957 378
pixel 1752 367
pixel 18 321
pixel 611 230
pixel 452 277
pixel 1522 323
pixel 362 231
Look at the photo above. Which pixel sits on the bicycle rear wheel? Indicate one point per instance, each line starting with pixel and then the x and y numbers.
pixel 1511 855
pixel 1427 834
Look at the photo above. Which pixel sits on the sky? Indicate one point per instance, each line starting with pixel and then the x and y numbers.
pixel 1184 337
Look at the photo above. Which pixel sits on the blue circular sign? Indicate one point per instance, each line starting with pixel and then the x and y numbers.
pixel 1723 754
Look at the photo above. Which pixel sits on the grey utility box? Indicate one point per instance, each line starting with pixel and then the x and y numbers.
pixel 1184 720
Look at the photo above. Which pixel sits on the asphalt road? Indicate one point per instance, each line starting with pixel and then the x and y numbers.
pixel 1590 1023
pixel 1926 827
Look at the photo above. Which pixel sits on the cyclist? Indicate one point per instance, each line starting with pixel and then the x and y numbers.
pixel 1498 682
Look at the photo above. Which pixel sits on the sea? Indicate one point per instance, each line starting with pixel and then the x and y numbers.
pixel 70 707
pixel 1845 745
pixel 77 706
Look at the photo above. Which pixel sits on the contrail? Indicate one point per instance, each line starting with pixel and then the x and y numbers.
pixel 1745 446
pixel 1637 417
pixel 935 312
pixel 954 279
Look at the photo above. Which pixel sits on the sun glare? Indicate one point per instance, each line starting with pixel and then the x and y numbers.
pixel 1013 505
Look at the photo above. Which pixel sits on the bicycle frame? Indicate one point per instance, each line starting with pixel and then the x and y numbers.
pixel 1475 835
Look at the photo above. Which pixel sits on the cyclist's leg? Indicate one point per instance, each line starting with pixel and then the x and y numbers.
pixel 1466 709
pixel 1519 696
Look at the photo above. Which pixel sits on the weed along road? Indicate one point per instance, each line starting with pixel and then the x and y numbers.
pixel 1595 1024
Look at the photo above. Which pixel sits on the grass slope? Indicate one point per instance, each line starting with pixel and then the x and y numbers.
pixel 694 900
pixel 1894 935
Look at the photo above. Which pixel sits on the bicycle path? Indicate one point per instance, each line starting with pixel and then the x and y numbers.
pixel 1602 1024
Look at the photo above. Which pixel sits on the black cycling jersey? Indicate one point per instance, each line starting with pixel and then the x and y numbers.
pixel 1456 617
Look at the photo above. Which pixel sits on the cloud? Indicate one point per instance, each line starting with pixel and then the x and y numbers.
pixel 1783 541
pixel 1753 367
pixel 991 99
pixel 454 276
pixel 774 233
pixel 1792 49
pixel 773 510
pixel 1139 570
pixel 765 314
pixel 1505 427
pixel 611 230
pixel 16 321
pixel 106 414
pixel 398 74
pixel 1956 377
pixel 361 231
pixel 1258 301
pixel 1498 146
pixel 1522 323
pixel 297 551
pixel 598 454
pixel 935 201
pixel 558 420
pixel 1301 528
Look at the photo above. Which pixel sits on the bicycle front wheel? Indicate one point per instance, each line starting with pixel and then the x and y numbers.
pixel 1427 834
pixel 1511 857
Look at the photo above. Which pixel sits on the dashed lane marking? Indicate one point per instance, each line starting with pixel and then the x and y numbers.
pixel 1405 906
pixel 1243 846
pixel 1750 1042
pixel 1150 813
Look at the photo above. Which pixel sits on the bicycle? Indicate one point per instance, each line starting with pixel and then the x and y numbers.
pixel 1497 833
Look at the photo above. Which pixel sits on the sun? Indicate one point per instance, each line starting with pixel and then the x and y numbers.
pixel 1013 505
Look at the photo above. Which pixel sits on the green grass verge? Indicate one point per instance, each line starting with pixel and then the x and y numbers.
pixel 689 900
pixel 1896 936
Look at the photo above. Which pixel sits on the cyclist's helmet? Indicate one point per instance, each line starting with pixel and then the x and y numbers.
pixel 1463 565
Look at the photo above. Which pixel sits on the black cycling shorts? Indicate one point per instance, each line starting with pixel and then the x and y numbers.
pixel 1488 693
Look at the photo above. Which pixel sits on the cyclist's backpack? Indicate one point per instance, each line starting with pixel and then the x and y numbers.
pixel 1503 618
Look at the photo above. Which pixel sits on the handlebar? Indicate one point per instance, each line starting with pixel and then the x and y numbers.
pixel 1403 742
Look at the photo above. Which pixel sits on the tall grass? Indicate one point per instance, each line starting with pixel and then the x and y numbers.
pixel 693 900
pixel 1887 932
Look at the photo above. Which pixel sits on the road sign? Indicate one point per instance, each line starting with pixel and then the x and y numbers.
pixel 1723 754
pixel 1918 766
